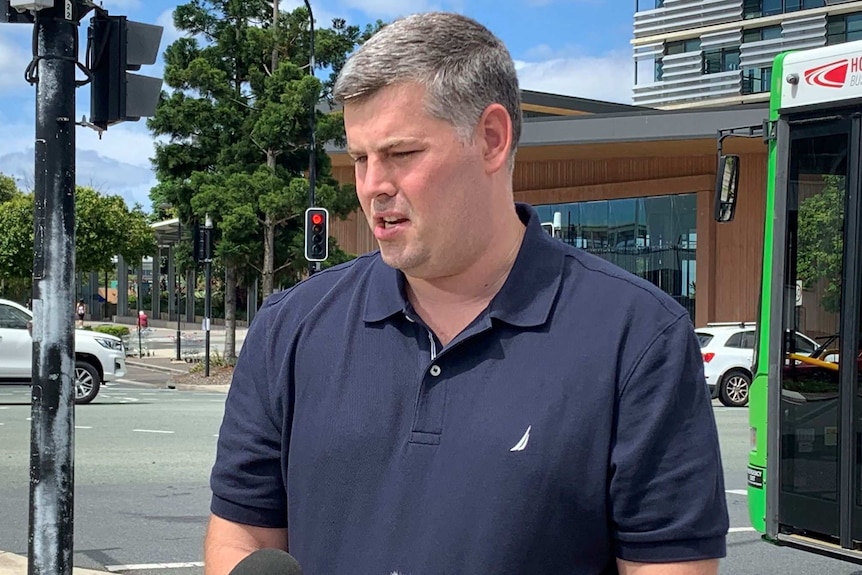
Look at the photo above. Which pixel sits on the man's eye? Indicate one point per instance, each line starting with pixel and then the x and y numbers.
pixel 404 154
pixel 360 159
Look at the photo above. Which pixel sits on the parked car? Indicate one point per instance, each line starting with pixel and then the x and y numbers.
pixel 99 357
pixel 728 354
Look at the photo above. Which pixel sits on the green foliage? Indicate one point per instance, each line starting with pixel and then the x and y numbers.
pixel 217 360
pixel 117 330
pixel 104 227
pixel 236 129
pixel 821 241
pixel 16 237
pixel 105 221
pixel 8 188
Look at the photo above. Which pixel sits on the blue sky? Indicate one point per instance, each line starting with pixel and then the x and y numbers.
pixel 573 47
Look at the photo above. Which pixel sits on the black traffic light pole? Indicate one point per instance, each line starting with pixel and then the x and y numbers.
pixel 52 407
pixel 312 163
pixel 52 70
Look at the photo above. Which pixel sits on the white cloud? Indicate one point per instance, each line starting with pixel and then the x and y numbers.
pixel 106 175
pixel 14 57
pixel 170 34
pixel 119 163
pixel 608 77
pixel 126 143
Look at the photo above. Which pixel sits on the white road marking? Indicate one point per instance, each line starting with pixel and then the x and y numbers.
pixel 737 491
pixel 5 407
pixel 152 431
pixel 83 427
pixel 145 566
pixel 740 529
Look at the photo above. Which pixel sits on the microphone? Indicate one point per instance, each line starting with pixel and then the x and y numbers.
pixel 268 562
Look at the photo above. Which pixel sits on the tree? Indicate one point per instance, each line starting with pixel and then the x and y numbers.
pixel 8 188
pixel 104 228
pixel 237 120
pixel 104 220
pixel 821 241
pixel 16 237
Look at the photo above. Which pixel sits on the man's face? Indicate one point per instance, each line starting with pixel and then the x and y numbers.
pixel 418 184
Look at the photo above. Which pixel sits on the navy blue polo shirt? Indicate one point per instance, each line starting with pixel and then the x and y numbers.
pixel 569 424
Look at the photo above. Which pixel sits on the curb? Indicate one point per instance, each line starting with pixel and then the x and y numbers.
pixel 11 564
pixel 144 365
pixel 194 387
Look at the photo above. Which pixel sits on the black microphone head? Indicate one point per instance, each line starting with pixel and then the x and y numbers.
pixel 268 562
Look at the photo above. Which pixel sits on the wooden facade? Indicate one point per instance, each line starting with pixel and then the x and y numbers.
pixel 728 256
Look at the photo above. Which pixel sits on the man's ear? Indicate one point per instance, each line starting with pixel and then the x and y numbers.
pixel 495 134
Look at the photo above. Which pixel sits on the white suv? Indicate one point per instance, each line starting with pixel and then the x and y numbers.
pixel 99 357
pixel 728 354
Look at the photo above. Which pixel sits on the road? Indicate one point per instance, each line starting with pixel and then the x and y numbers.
pixel 143 455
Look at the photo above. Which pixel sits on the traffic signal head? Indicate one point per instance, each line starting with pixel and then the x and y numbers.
pixel 316 234
pixel 116 46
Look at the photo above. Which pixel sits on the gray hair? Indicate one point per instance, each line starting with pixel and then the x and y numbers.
pixel 461 64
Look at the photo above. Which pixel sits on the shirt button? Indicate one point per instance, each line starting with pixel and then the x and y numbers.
pixel 435 370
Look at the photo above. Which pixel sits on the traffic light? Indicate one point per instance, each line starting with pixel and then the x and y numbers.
pixel 202 246
pixel 316 234
pixel 117 45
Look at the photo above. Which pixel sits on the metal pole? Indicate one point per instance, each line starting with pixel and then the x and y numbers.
pixel 177 287
pixel 312 164
pixel 52 404
pixel 208 295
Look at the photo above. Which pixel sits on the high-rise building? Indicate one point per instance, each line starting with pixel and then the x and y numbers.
pixel 693 53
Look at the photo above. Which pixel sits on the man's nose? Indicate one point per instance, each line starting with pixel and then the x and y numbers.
pixel 378 178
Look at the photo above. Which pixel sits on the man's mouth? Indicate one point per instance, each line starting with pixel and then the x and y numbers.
pixel 390 222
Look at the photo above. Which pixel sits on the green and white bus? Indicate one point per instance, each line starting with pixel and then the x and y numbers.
pixel 805 463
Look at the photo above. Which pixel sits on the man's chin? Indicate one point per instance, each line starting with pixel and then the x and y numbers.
pixel 397 261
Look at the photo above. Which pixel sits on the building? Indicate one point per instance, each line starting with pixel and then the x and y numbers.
pixel 719 52
pixel 635 186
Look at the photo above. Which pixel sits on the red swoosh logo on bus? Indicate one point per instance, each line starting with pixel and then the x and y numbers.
pixel 832 75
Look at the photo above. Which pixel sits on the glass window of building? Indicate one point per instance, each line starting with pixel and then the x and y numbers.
pixel 844 28
pixel 682 46
pixel 648 71
pixel 643 5
pixel 720 60
pixel 759 34
pixel 758 8
pixel 654 238
pixel 756 80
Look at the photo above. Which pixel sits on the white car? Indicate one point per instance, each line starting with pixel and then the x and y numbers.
pixel 728 354
pixel 99 357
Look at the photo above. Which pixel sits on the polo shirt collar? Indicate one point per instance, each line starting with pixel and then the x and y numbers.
pixel 525 299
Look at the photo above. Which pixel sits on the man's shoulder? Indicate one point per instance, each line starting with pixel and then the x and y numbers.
pixel 591 276
pixel 335 283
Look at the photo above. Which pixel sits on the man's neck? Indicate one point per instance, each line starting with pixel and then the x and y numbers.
pixel 449 304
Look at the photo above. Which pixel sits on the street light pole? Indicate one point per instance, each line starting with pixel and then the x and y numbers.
pixel 208 262
pixel 177 286
pixel 312 164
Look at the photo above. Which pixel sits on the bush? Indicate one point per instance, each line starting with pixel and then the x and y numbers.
pixel 117 330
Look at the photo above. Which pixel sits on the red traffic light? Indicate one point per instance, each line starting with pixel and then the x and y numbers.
pixel 317 219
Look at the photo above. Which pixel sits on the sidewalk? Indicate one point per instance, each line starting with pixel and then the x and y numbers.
pixel 11 564
pixel 156 349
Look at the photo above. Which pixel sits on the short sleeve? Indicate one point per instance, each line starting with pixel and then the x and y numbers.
pixel 666 489
pixel 246 480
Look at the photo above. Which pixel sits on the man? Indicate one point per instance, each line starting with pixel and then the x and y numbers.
pixel 476 397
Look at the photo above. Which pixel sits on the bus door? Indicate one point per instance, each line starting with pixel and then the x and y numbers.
pixel 814 394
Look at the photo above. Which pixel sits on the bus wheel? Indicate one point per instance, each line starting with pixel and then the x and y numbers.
pixel 734 388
